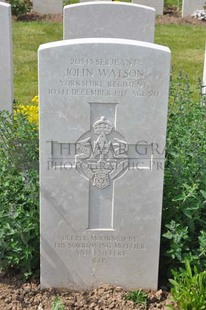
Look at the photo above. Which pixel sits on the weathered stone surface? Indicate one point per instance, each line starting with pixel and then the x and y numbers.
pixel 48 6
pixel 204 75
pixel 6 63
pixel 103 112
pixel 158 5
pixel 123 20
pixel 92 0
pixel 189 6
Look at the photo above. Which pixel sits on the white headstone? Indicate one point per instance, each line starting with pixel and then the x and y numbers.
pixel 109 20
pixel 6 63
pixel 48 6
pixel 190 6
pixel 204 75
pixel 158 5
pixel 103 112
pixel 92 0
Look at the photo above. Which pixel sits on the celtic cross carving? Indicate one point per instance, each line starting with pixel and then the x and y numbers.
pixel 104 158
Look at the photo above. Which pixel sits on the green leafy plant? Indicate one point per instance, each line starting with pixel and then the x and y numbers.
pixel 184 212
pixel 67 2
pixel 177 3
pixel 139 297
pixel 57 304
pixel 188 288
pixel 20 7
pixel 19 194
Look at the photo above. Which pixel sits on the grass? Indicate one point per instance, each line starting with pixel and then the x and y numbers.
pixel 186 42
pixel 139 297
pixel 177 3
pixel 26 39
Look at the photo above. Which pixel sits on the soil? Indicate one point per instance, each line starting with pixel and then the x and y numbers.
pixel 16 294
pixel 171 16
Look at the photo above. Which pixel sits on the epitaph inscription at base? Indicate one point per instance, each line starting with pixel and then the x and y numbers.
pixel 103 111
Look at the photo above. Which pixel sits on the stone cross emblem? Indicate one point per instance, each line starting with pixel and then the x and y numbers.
pixel 103 155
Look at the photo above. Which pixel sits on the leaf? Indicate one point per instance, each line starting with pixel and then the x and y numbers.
pixel 188 268
pixel 203 193
pixel 170 307
pixel 175 283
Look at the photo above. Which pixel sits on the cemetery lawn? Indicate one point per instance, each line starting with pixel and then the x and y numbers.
pixel 186 41
pixel 27 36
pixel 187 44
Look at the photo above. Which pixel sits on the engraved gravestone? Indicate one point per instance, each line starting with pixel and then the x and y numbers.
pixel 158 5
pixel 123 20
pixel 92 0
pixel 103 112
pixel 190 6
pixel 48 6
pixel 6 64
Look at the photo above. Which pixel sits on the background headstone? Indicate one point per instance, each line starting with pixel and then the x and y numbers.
pixel 190 6
pixel 6 62
pixel 103 105
pixel 204 75
pixel 158 5
pixel 109 20
pixel 92 0
pixel 48 6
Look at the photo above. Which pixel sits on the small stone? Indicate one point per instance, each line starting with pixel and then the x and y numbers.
pixel 112 305
pixel 40 307
pixel 27 289
pixel 118 289
pixel 92 305
pixel 7 300
pixel 159 295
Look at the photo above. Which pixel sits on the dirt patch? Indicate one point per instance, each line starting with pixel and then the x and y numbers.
pixel 17 295
pixel 33 16
pixel 171 19
pixel 171 16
